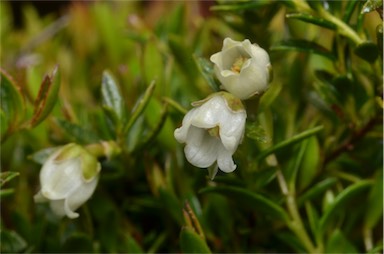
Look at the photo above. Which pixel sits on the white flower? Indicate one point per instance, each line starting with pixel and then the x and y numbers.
pixel 212 131
pixel 242 68
pixel 68 179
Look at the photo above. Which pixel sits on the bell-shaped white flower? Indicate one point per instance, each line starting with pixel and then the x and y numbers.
pixel 212 131
pixel 243 68
pixel 68 179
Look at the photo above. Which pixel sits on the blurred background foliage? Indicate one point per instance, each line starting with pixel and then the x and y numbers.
pixel 310 168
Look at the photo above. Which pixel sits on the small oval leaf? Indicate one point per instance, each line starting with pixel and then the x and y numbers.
pixel 311 19
pixel 111 98
pixel 341 199
pixel 191 242
pixel 11 104
pixel 46 98
pixel 295 139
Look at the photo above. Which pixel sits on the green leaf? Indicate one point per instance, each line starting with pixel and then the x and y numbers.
pixel 239 6
pixel 78 243
pixel 7 176
pixel 338 243
pixel 191 242
pixel 46 98
pixel 367 51
pixel 295 139
pixel 374 208
pixel 141 104
pixel 313 219
pixel 42 155
pixel 206 69
pixel 316 190
pixel 11 242
pixel 251 200
pixel 112 100
pixel 270 96
pixel 349 11
pixel 311 19
pixel 256 132
pixel 170 202
pixel 340 200
pixel 310 163
pixel 372 5
pixel 304 46
pixel 80 134
pixel 11 104
pixel 131 245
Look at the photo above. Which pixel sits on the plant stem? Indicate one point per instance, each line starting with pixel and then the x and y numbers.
pixel 342 28
pixel 296 224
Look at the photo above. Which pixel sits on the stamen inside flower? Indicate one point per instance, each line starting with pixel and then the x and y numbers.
pixel 214 132
pixel 238 64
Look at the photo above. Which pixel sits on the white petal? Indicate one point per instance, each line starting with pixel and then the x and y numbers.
pixel 79 197
pixel 57 207
pixel 224 160
pixel 201 148
pixel 59 179
pixel 228 43
pixel 211 113
pixel 182 132
pixel 216 58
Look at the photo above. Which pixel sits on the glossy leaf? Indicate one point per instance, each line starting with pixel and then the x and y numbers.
pixel 374 209
pixel 350 7
pixel 304 46
pixel 112 100
pixel 316 190
pixel 313 219
pixel 338 243
pixel 77 132
pixel 140 106
pixel 251 200
pixel 11 104
pixel 310 164
pixel 191 242
pixel 7 176
pixel 132 246
pixel 42 155
pixel 311 19
pixel 367 51
pixel 295 139
pixel 341 199
pixel 239 5
pixel 206 69
pixel 46 98
pixel 11 242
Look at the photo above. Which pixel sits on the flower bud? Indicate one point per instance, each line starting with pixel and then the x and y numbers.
pixel 212 131
pixel 68 179
pixel 242 68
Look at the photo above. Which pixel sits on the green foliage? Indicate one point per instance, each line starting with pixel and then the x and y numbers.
pixel 309 174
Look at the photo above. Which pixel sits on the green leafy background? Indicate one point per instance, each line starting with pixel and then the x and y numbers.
pixel 309 174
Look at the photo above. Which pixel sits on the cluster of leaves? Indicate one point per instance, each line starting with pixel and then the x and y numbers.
pixel 309 176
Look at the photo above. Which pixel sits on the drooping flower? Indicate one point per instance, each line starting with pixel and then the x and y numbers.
pixel 243 68
pixel 68 179
pixel 212 131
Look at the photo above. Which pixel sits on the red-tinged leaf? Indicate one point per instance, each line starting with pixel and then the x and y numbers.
pixel 46 97
pixel 11 104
